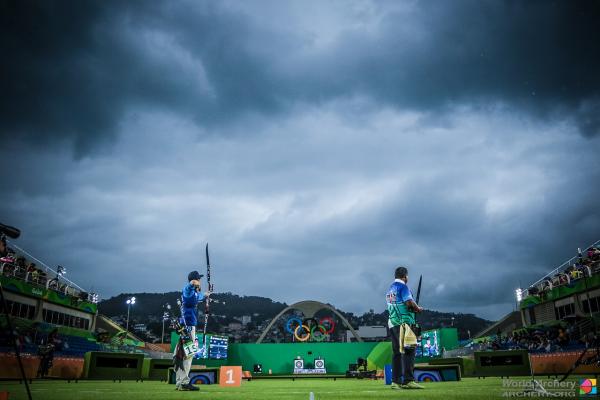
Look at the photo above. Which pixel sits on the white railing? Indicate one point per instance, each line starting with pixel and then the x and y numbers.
pixel 48 269
pixel 562 266
pixel 70 287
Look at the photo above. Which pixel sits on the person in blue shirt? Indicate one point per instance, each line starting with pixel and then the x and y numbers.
pixel 191 296
pixel 401 309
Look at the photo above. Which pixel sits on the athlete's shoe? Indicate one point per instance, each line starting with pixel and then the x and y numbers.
pixel 412 385
pixel 395 386
pixel 188 387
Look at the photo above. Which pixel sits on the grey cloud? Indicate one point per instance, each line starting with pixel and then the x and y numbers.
pixel 72 71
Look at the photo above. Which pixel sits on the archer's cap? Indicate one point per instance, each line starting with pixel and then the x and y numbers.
pixel 194 275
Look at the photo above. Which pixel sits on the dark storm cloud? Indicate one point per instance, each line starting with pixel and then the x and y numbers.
pixel 536 56
pixel 71 70
pixel 50 86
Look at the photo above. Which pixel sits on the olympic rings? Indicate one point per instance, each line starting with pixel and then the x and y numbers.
pixel 304 330
pixel 320 337
pixel 331 324
pixel 288 324
pixel 302 338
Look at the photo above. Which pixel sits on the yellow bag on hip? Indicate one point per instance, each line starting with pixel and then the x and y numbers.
pixel 407 337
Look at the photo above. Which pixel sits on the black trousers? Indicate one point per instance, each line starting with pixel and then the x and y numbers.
pixel 403 364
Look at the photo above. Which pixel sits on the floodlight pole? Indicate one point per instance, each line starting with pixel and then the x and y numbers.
pixel 130 302
pixel 162 337
pixel 127 325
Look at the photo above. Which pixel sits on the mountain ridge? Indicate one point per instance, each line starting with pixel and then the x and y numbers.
pixel 230 308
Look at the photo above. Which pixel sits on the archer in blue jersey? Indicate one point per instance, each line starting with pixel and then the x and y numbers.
pixel 191 296
pixel 398 299
pixel 401 309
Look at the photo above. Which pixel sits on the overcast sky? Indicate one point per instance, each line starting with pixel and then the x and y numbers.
pixel 315 145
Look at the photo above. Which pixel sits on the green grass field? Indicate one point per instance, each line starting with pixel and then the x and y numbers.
pixel 342 389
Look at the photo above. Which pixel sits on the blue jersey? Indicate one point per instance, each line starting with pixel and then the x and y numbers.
pixel 189 301
pixel 396 298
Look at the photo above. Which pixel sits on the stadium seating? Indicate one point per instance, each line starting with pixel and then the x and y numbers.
pixel 70 345
pixel 584 264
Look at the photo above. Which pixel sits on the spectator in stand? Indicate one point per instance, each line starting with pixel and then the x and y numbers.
pixel 560 279
pixel 3 247
pixel 9 257
pixel 21 268
pixel 42 277
pixel 8 264
pixel 20 262
pixel 593 253
pixel 563 338
pixel 574 272
pixel 35 274
pixel 546 285
pixel 30 270
pixel 541 340
pixel 590 339
pixel 53 283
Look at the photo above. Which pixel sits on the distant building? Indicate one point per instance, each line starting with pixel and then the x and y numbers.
pixel 234 326
pixel 246 319
pixel 140 328
pixel 376 332
pixel 118 319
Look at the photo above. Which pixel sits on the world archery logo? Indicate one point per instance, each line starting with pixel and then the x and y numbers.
pixel 587 387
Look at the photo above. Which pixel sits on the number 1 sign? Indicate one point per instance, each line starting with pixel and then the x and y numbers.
pixel 230 376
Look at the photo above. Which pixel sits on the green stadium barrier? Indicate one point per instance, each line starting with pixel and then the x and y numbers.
pixel 448 338
pixel 121 366
pixel 449 372
pixel 382 352
pixel 466 365
pixel 156 369
pixel 502 363
pixel 380 356
pixel 279 357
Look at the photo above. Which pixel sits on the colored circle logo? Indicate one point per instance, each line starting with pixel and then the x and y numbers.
pixel 310 328
pixel 587 387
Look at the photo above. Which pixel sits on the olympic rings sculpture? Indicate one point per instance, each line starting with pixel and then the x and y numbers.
pixel 308 328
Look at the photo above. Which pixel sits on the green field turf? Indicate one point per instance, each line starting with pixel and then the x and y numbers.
pixel 469 388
